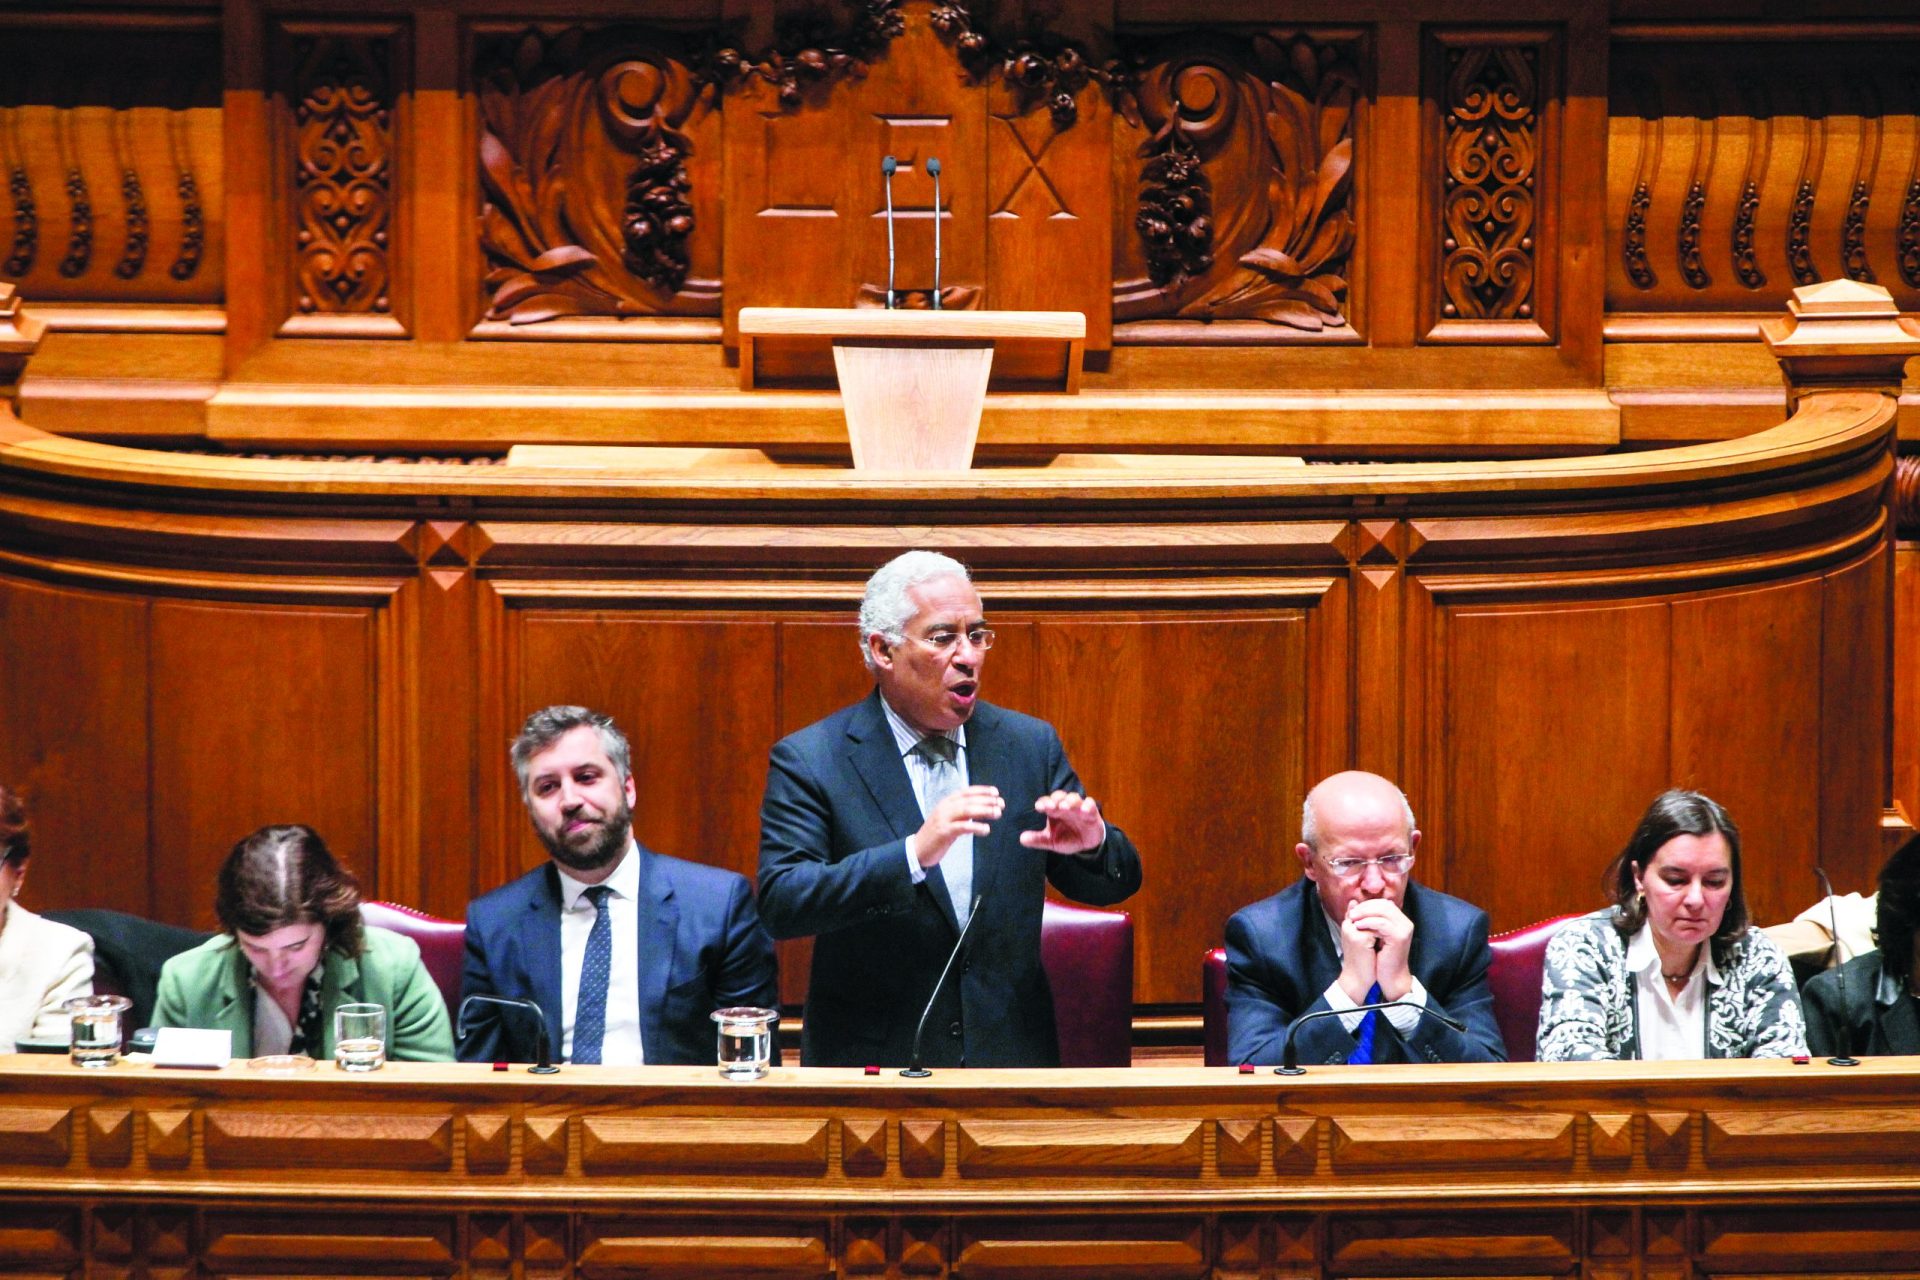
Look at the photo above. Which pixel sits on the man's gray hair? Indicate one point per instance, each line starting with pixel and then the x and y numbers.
pixel 550 724
pixel 1310 826
pixel 885 609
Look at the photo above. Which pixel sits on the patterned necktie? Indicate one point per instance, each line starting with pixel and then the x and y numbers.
pixel 596 967
pixel 1363 1037
pixel 943 779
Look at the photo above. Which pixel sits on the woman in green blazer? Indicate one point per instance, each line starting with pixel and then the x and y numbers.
pixel 294 950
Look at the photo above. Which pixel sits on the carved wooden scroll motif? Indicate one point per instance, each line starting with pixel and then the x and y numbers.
pixel 599 164
pixel 1242 204
pixel 342 90
pixel 1742 170
pixel 1494 192
pixel 110 162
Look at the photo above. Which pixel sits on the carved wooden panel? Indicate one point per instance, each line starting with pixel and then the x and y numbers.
pixel 1737 171
pixel 1092 1149
pixel 238 1138
pixel 613 1144
pixel 1235 167
pixel 340 139
pixel 1492 184
pixel 600 173
pixel 111 156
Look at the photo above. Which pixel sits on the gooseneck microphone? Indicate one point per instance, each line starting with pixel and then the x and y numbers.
pixel 933 171
pixel 1833 922
pixel 913 1070
pixel 887 165
pixel 545 1066
pixel 1289 1056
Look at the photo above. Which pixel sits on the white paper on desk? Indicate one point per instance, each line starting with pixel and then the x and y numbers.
pixel 191 1047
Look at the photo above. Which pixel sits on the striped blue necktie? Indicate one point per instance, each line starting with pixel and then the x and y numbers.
pixel 596 967
pixel 1363 1036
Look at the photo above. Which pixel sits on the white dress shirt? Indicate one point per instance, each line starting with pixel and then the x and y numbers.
pixel 1671 1027
pixel 1404 1020
pixel 42 964
pixel 621 1044
pixel 957 867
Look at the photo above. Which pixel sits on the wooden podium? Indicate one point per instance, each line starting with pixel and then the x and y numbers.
pixel 912 383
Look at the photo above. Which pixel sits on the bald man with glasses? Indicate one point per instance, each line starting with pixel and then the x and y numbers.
pixel 1356 930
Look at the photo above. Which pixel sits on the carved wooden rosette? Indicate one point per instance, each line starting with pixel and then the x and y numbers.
pixel 341 88
pixel 1493 198
pixel 1743 170
pixel 1244 204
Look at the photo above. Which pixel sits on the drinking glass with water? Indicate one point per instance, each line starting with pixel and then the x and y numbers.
pixel 746 1041
pixel 96 1029
pixel 360 1037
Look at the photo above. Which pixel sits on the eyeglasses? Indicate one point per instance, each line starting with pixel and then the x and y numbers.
pixel 1394 864
pixel 946 638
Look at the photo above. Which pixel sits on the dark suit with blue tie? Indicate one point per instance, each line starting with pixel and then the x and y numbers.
pixel 1281 960
pixel 701 948
pixel 839 807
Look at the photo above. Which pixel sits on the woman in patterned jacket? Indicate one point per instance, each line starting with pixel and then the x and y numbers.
pixel 1671 969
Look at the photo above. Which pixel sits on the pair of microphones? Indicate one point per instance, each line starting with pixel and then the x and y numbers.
pixel 887 166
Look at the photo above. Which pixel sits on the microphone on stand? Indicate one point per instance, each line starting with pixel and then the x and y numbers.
pixel 1289 1056
pixel 913 1070
pixel 933 171
pixel 887 165
pixel 545 1066
pixel 1833 922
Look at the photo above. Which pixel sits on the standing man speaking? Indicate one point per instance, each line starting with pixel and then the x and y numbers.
pixel 888 822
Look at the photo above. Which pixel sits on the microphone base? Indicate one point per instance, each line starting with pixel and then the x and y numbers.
pixel 1843 1061
pixel 916 1073
pixel 1289 1071
pixel 543 1071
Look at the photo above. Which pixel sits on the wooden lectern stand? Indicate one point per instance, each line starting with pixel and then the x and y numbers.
pixel 912 383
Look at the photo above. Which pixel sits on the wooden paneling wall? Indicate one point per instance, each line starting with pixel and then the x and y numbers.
pixel 1532 651
pixel 299 225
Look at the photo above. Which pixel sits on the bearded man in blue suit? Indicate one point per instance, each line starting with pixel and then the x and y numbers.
pixel 627 952
pixel 890 824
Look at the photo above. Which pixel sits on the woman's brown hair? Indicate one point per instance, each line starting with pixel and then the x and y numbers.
pixel 285 875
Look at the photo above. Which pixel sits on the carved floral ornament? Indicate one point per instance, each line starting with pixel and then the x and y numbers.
pixel 1492 155
pixel 588 207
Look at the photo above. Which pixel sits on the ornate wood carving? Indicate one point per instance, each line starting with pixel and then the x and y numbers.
pixel 249 1139
pixel 1007 1147
pixel 26 227
pixel 613 1144
pixel 79 204
pixel 132 198
pixel 1491 151
pixel 1801 154
pixel 1041 67
pixel 193 219
pixel 109 1135
pixel 343 95
pixel 39 1135
pixel 1268 121
pixel 863 1147
pixel 558 112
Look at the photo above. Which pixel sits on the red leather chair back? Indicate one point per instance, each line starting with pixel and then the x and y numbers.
pixel 443 943
pixel 1088 956
pixel 1519 960
pixel 1213 1006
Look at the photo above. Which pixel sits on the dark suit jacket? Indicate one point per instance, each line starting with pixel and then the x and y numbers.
pixel 1280 962
pixel 701 948
pixel 838 809
pixel 1845 1016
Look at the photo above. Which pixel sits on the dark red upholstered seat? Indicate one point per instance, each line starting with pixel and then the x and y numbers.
pixel 443 943
pixel 1213 1006
pixel 1088 956
pixel 1519 960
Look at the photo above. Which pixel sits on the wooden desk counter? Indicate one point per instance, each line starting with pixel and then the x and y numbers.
pixel 1608 1170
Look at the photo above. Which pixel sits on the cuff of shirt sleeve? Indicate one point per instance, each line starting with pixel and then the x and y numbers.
pixel 1405 1020
pixel 1338 1000
pixel 914 868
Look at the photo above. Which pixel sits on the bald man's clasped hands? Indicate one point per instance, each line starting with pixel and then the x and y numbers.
pixel 1356 930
